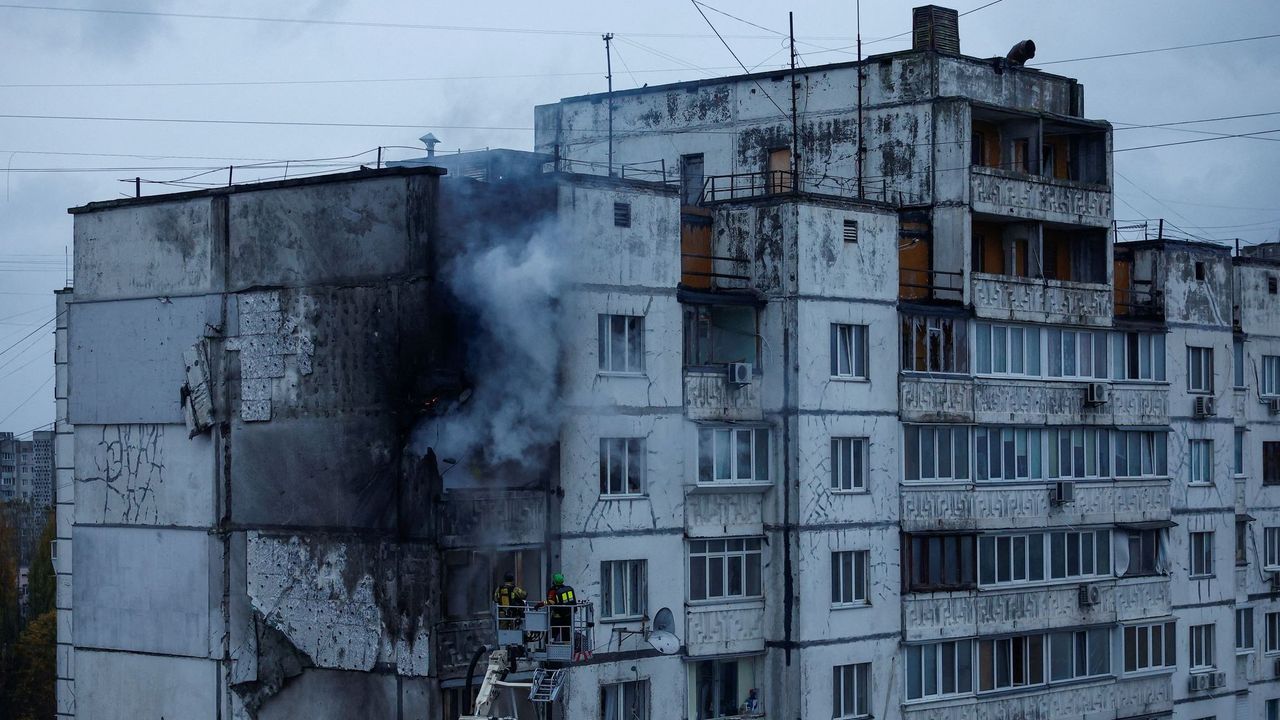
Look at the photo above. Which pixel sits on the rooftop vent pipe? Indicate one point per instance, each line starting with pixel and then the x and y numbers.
pixel 430 141
pixel 1021 53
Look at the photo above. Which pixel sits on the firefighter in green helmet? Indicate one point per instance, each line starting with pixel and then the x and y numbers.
pixel 561 619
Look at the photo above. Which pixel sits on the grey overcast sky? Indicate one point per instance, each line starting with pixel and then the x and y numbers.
pixel 447 76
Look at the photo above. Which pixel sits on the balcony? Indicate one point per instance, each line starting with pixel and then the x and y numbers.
pixel 923 285
pixel 1007 297
pixel 1139 303
pixel 1030 402
pixel 493 518
pixel 724 629
pixel 709 395
pixel 456 642
pixel 996 505
pixel 964 614
pixel 1106 698
pixel 1007 193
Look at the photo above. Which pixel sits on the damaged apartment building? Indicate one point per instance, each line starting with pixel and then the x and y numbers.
pixel 308 425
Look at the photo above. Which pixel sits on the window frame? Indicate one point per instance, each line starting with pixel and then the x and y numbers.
pixel 849 347
pixel 1271 629
pixel 632 343
pixel 1096 354
pixel 1012 651
pixel 988 360
pixel 1270 462
pixel 1200 461
pixel 1200 563
pixel 1270 380
pixel 751 548
pixel 1200 383
pixel 1238 380
pixel 957 451
pixel 1237 452
pixel 1244 631
pixel 937 655
pixel 1200 647
pixel 630 448
pixel 1166 654
pixel 708 462
pixel 1004 553
pixel 957 554
pixel 948 355
pixel 858 566
pixel 1271 549
pixel 635 590
pixel 1092 549
pixel 1075 639
pixel 857 675
pixel 625 690
pixel 1130 349
pixel 1007 446
pixel 850 457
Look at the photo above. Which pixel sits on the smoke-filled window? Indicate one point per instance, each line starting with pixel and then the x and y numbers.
pixel 733 455
pixel 471 576
pixel 720 334
pixel 621 466
pixel 620 343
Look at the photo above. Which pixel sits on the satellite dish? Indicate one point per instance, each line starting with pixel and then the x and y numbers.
pixel 663 637
pixel 664 642
pixel 664 621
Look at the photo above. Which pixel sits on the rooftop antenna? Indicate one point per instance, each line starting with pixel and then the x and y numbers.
pixel 608 64
pixel 795 123
pixel 862 148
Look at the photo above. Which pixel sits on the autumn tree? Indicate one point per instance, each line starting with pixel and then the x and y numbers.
pixel 32 695
pixel 9 613
pixel 41 583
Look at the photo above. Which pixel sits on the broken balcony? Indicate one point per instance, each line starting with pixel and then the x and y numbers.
pixel 1040 272
pixel 702 267
pixel 1138 295
pixel 721 355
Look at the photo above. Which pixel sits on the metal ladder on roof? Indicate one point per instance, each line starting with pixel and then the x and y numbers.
pixel 547 684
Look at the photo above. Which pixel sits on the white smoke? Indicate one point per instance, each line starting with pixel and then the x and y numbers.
pixel 506 295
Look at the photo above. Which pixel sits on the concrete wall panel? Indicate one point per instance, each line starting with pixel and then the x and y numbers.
pixel 144 475
pixel 120 686
pixel 143 590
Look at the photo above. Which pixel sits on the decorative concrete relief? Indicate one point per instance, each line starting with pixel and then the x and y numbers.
pixel 456 643
pixel 1004 401
pixel 1137 599
pixel 1138 405
pixel 932 507
pixel 720 630
pixel 1035 198
pixel 320 597
pixel 509 517
pixel 266 337
pixel 1004 297
pixel 129 461
pixel 930 400
pixel 963 614
pixel 1130 697
pixel 710 396
pixel 736 511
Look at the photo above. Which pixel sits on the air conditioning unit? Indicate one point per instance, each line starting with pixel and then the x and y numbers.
pixel 1217 680
pixel 1096 394
pixel 1089 595
pixel 1063 492
pixel 1198 682
pixel 740 373
pixel 1204 406
pixel 1273 405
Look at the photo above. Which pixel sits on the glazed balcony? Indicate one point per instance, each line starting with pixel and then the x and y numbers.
pixel 1144 696
pixel 721 629
pixel 1003 401
pixel 999 505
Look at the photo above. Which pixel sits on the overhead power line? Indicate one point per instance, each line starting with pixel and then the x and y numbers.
pixel 296 123
pixel 1157 50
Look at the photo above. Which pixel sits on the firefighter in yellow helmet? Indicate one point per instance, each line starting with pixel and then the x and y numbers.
pixel 509 597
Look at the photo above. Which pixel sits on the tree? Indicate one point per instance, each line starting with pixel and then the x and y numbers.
pixel 9 617
pixel 32 695
pixel 41 583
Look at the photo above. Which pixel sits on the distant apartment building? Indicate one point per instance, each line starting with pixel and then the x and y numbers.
pixel 864 395
pixel 26 468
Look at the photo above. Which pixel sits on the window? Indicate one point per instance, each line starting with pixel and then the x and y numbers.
pixel 939 669
pixel 733 455
pixel 1008 350
pixel 620 343
pixel 1137 356
pixel 1272 620
pixel 1237 363
pixel 720 334
pixel 1140 453
pixel 1273 706
pixel 1006 453
pixel 977 148
pixel 1077 452
pixel 1271 375
pixel 849 577
pixel 1021 155
pixel 625 701
pixel 1271 463
pixel 1201 554
pixel 1144 553
pixel 1201 648
pixel 1199 270
pixel 851 691
pixel 723 689
pixel 1271 284
pixel 1007 559
pixel 1242 537
pixel 849 351
pixel 621 466
pixel 849 464
pixel 851 231
pixel 1010 662
pixel 1079 654
pixel 1237 456
pixel 1244 629
pixel 622 214
pixel 1079 554
pixel 934 344
pixel 691 178
pixel 939 562
pixel 1199 369
pixel 1148 647
pixel 471 575
pixel 623 589
pixel 724 568
pixel 1200 463
pixel 1271 548
pixel 1077 353
pixel 935 453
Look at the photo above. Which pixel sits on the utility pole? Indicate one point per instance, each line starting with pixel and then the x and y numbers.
pixel 862 148
pixel 608 64
pixel 795 123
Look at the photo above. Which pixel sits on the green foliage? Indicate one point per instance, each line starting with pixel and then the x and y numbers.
pixel 35 667
pixel 41 582
pixel 9 617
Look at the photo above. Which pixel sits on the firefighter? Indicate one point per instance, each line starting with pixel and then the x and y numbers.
pixel 561 619
pixel 509 597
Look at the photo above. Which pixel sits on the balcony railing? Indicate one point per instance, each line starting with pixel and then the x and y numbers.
pixel 1006 297
pixel 769 183
pixel 703 271
pixel 917 284
pixel 1139 303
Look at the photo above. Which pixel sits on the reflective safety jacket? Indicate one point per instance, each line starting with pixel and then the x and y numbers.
pixel 560 595
pixel 509 594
